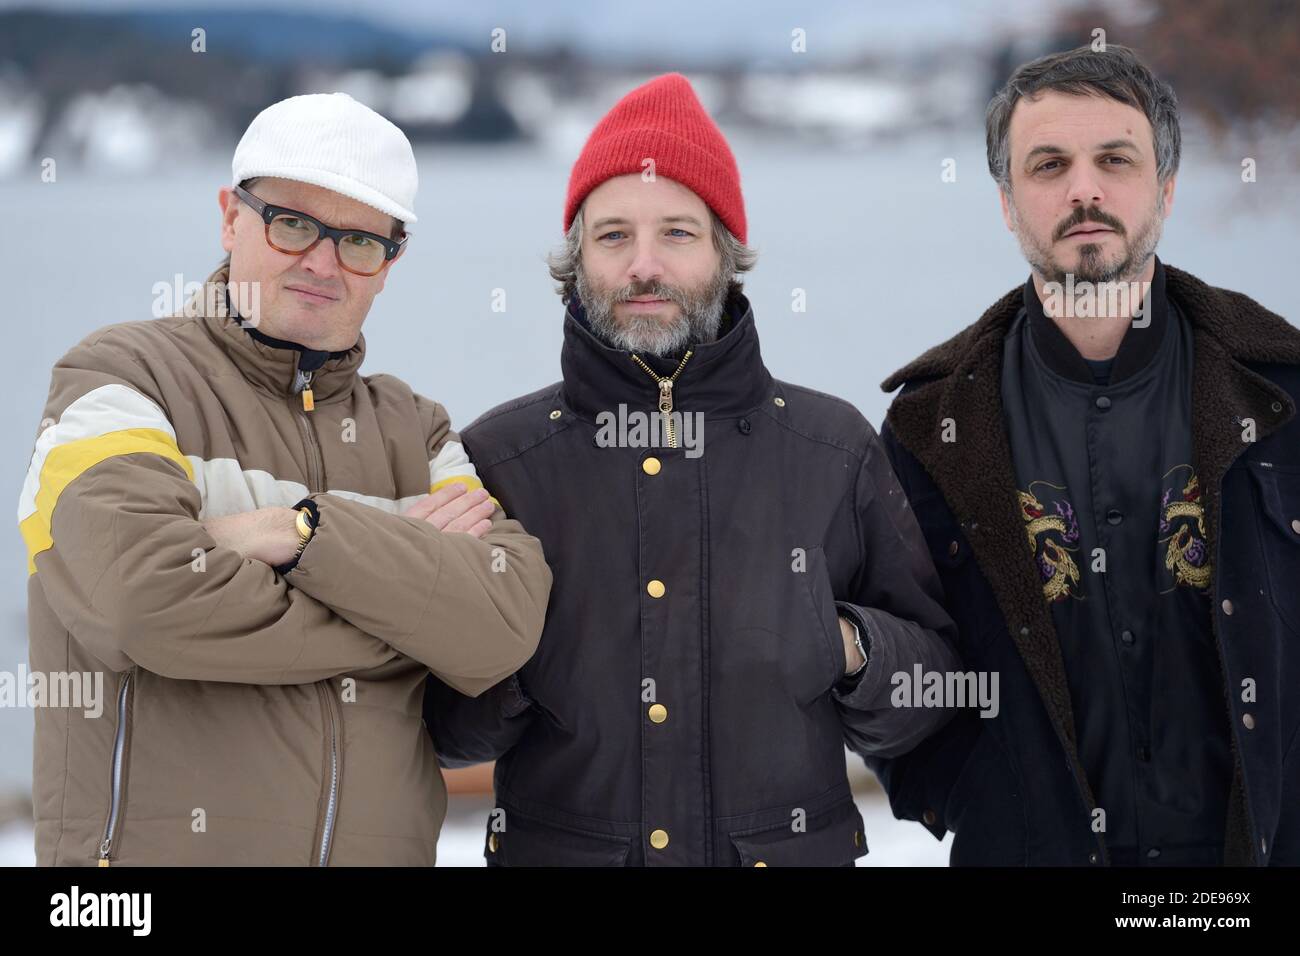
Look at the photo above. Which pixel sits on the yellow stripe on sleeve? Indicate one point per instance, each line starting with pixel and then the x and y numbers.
pixel 470 482
pixel 67 462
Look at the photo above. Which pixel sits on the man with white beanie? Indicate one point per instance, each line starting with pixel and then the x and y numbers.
pixel 260 552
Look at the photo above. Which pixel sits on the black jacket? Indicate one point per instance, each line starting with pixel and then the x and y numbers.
pixel 716 714
pixel 1012 788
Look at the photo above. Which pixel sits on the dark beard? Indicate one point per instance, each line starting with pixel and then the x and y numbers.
pixel 699 321
pixel 1092 265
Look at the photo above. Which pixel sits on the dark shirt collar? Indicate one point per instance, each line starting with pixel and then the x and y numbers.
pixel 310 360
pixel 1136 349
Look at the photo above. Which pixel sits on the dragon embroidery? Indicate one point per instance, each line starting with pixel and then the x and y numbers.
pixel 1050 536
pixel 1182 529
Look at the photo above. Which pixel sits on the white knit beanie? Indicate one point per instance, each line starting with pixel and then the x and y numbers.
pixel 331 140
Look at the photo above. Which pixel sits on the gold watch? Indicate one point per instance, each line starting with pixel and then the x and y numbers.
pixel 306 527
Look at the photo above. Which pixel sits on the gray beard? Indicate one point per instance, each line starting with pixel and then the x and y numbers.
pixel 698 322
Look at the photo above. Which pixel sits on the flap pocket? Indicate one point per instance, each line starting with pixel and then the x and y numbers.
pixel 1279 530
pixel 527 841
pixel 1279 492
pixel 836 838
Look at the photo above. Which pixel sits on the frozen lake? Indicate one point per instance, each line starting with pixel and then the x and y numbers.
pixel 891 258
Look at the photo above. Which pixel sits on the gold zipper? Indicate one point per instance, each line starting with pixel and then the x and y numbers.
pixel 666 393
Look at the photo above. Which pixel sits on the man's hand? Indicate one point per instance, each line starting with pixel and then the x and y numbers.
pixel 267 534
pixel 853 658
pixel 270 535
pixel 453 509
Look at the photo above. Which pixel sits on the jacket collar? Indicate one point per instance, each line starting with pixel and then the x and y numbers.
pixel 722 378
pixel 1136 350
pixel 270 364
pixel 961 380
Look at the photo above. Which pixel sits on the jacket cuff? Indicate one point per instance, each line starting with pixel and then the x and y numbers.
pixel 849 683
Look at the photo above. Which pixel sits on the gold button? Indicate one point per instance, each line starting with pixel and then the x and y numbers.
pixel 780 402
pixel 656 589
pixel 857 838
pixel 929 817
pixel 1248 720
pixel 658 839
pixel 650 466
pixel 658 713
pixel 555 414
pixel 492 842
pixel 760 863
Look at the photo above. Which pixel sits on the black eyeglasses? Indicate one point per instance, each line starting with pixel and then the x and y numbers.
pixel 296 233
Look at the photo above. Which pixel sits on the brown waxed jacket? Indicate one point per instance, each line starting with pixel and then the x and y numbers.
pixel 251 717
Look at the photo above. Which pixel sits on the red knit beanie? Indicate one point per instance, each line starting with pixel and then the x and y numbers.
pixel 664 121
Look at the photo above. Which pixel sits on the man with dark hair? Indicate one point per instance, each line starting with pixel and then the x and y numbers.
pixel 1106 467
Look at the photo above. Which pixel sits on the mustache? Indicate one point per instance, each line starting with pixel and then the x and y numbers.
pixel 1084 214
pixel 652 287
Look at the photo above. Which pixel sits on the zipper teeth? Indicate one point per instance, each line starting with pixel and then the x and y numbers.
pixel 331 806
pixel 655 375
pixel 119 743
pixel 309 440
pixel 315 469
pixel 666 393
pixel 682 364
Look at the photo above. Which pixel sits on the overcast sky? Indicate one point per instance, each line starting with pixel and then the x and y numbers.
pixel 693 27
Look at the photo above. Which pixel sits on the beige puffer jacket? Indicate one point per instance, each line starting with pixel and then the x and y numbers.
pixel 251 718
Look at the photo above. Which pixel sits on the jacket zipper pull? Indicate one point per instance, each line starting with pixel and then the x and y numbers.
pixel 666 410
pixel 308 399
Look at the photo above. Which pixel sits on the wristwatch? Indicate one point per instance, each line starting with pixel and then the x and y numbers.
pixel 306 520
pixel 857 639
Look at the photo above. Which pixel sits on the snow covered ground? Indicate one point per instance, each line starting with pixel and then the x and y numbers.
pixel 891 842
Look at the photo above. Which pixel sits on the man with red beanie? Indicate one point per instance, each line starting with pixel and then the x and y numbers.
pixel 720 624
